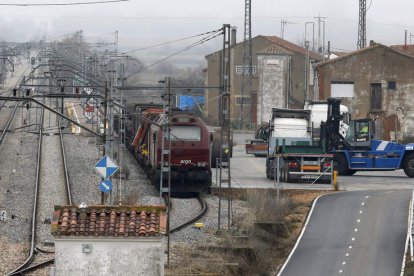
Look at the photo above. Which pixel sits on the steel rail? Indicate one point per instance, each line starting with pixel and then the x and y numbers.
pixel 203 211
pixel 8 124
pixel 65 168
pixel 24 269
pixel 11 117
pixel 29 259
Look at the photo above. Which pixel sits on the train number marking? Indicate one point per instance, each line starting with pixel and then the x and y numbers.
pixel 185 162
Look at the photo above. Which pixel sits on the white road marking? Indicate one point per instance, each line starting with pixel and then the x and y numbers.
pixel 343 263
pixel 360 212
pixel 347 254
pixel 356 229
pixel 353 238
pixel 367 196
pixel 363 203
pixel 358 220
pixel 300 236
pixel 350 247
pixel 340 271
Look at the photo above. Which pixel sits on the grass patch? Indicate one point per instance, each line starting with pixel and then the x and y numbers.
pixel 260 242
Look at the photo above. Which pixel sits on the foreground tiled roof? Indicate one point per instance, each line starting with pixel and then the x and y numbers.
pixel 109 221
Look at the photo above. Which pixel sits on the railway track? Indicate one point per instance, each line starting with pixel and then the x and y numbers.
pixel 12 114
pixel 199 215
pixel 33 262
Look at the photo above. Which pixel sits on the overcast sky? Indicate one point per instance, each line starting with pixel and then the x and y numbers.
pixel 144 23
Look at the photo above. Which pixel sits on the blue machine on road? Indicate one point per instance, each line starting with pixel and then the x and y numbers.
pixel 359 150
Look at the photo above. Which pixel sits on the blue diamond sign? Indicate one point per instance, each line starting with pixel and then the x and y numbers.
pixel 105 185
pixel 106 167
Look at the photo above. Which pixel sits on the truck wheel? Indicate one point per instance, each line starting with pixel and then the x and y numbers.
pixel 340 164
pixel 351 172
pixel 285 173
pixel 409 165
pixel 268 169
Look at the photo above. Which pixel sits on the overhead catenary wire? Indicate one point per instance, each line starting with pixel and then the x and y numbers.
pixel 201 41
pixel 169 42
pixel 62 4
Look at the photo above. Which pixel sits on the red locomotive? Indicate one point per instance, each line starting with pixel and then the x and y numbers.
pixel 190 150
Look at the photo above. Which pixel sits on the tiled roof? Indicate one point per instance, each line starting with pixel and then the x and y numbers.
pixel 287 45
pixel 291 46
pixel 408 49
pixel 109 221
pixel 363 50
pixel 274 50
pixel 339 53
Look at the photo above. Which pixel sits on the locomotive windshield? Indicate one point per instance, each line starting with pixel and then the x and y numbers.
pixel 185 133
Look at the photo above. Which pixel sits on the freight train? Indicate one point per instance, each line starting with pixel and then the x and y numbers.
pixel 191 144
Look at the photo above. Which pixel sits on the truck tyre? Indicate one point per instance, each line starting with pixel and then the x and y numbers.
pixel 268 176
pixel 409 165
pixel 351 172
pixel 284 173
pixel 340 164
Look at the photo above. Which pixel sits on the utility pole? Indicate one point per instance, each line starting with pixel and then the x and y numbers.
pixel 104 138
pixel 166 155
pixel 307 69
pixel 313 34
pixel 321 35
pixel 224 120
pixel 246 83
pixel 283 24
pixel 362 25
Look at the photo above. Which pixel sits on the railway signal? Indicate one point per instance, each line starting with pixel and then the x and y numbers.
pixel 105 185
pixel 106 167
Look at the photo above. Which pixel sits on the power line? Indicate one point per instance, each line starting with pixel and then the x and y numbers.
pixel 63 4
pixel 201 41
pixel 169 42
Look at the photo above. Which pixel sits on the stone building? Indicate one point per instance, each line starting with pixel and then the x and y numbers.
pixel 278 68
pixel 375 82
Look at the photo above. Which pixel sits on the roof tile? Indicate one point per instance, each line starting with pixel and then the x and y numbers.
pixel 293 47
pixel 111 221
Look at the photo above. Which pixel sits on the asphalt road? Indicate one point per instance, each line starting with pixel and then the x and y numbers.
pixel 353 233
pixel 250 172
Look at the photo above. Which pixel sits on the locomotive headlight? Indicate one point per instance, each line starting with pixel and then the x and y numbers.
pixel 199 164
pixel 165 164
pixel 203 164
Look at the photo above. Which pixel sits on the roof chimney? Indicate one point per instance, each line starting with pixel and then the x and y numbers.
pixel 371 43
pixel 233 36
pixel 405 40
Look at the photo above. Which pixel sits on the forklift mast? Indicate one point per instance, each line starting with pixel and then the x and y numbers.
pixel 330 138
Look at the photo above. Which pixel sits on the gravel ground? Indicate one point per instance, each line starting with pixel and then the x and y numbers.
pixel 52 185
pixel 17 172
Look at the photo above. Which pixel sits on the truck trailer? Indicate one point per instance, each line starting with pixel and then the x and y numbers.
pixel 357 150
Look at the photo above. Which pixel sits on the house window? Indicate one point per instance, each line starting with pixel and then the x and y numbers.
pixel 342 89
pixel 375 96
pixel 245 100
pixel 239 70
pixel 392 85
